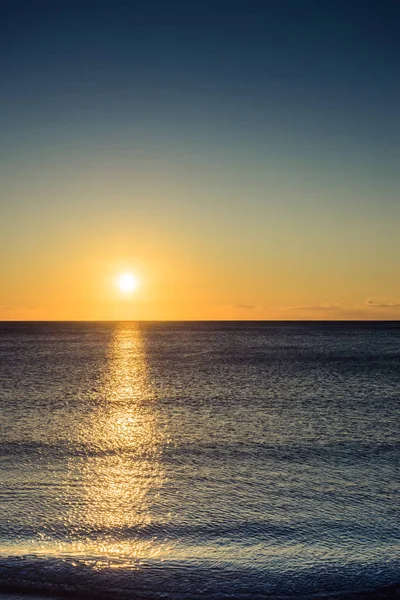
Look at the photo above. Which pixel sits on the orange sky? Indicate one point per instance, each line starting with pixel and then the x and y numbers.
pixel 184 276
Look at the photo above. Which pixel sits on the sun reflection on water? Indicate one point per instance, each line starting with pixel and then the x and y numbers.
pixel 122 473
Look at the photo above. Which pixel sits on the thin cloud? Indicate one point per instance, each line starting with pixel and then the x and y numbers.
pixel 373 304
pixel 327 307
pixel 247 306
pixel 17 309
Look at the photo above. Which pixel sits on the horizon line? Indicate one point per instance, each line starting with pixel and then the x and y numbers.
pixel 199 321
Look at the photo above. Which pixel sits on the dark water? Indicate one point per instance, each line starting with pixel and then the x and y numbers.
pixel 199 460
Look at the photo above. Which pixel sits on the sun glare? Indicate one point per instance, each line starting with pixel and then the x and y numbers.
pixel 127 282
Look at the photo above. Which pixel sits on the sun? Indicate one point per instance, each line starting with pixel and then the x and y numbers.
pixel 127 282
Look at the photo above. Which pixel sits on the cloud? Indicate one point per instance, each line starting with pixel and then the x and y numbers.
pixel 17 308
pixel 338 310
pixel 247 306
pixel 17 313
pixel 317 307
pixel 373 304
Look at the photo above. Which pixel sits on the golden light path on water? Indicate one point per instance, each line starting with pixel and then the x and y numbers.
pixel 122 477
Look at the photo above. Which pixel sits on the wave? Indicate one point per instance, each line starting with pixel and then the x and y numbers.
pixel 292 452
pixel 98 578
pixel 237 531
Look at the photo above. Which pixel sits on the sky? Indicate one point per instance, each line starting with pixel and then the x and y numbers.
pixel 241 159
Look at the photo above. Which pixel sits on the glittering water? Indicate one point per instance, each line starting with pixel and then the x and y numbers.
pixel 190 460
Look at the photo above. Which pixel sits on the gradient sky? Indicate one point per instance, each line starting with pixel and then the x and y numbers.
pixel 242 158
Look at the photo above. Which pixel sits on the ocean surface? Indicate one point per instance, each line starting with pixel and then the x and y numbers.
pixel 184 461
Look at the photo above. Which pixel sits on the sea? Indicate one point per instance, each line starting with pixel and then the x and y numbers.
pixel 199 460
